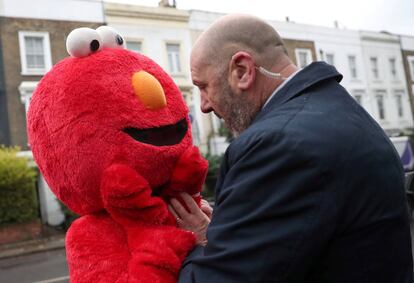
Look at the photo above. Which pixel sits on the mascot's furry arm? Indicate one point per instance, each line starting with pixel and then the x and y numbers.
pixel 154 248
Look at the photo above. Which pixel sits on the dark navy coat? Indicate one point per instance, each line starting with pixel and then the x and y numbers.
pixel 312 191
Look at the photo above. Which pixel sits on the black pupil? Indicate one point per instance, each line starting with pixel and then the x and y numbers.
pixel 119 39
pixel 94 45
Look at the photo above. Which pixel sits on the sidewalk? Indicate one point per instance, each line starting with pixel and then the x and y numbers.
pixel 49 239
pixel 32 246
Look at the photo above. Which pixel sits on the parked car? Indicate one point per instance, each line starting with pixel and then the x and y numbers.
pixel 404 147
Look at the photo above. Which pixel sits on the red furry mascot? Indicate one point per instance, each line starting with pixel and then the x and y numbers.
pixel 111 134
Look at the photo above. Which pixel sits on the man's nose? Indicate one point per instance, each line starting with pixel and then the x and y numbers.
pixel 205 105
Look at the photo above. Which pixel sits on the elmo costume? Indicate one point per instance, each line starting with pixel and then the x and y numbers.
pixel 111 134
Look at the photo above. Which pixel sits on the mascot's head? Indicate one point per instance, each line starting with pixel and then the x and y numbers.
pixel 105 105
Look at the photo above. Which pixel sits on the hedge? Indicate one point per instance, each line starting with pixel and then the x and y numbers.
pixel 214 162
pixel 18 199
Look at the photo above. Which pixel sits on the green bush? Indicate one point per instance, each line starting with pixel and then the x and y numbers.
pixel 70 216
pixel 18 199
pixel 214 162
pixel 224 132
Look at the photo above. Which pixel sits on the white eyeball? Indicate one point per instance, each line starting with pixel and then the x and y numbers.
pixel 83 41
pixel 110 37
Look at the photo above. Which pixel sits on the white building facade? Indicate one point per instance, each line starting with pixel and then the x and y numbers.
pixel 407 44
pixel 371 63
pixel 387 98
pixel 163 34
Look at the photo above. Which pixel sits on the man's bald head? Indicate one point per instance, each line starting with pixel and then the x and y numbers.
pixel 233 33
pixel 223 66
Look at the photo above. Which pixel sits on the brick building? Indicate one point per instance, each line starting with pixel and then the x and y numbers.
pixel 32 39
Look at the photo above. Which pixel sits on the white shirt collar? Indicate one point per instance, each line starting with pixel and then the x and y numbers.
pixel 280 87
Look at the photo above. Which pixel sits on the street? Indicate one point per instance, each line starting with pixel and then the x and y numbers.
pixel 45 267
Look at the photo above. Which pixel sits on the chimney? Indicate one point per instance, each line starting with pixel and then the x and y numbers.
pixel 167 4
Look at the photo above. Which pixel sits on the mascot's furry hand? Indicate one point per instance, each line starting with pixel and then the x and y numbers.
pixel 111 134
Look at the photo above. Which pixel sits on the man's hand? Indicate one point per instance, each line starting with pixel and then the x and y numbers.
pixel 206 208
pixel 195 220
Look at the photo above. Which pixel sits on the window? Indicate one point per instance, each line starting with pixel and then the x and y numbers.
pixel 352 66
pixel 380 105
pixel 330 59
pixel 393 68
pixel 173 52
pixel 374 67
pixel 358 98
pixel 303 57
pixel 194 125
pixel 411 63
pixel 399 103
pixel 26 89
pixel 34 52
pixel 400 109
pixel 134 46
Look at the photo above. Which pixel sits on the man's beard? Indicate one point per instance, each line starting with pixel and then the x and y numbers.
pixel 237 111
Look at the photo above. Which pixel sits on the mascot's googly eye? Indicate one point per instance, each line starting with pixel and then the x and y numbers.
pixel 110 37
pixel 83 41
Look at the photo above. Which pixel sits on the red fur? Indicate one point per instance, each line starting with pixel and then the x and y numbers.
pixel 75 121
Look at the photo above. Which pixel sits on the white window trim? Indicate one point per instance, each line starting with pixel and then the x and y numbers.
pixel 371 68
pixel 137 40
pixel 356 67
pixel 26 89
pixel 397 73
pixel 361 93
pixel 333 57
pixel 410 60
pixel 46 46
pixel 382 93
pixel 308 53
pixel 402 93
pixel 181 56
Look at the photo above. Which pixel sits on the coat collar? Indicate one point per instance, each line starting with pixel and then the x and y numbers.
pixel 306 78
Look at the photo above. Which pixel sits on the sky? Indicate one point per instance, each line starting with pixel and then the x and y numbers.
pixel 395 16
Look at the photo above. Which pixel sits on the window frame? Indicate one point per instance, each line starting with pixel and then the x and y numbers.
pixel 46 48
pixel 308 53
pixel 135 40
pixel 180 58
pixel 359 93
pixel 399 106
pixel 333 58
pixel 395 75
pixel 355 66
pixel 410 60
pixel 374 67
pixel 382 94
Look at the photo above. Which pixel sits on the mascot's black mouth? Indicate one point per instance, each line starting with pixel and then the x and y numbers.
pixel 165 135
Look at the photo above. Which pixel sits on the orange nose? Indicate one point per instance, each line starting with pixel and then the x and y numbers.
pixel 149 90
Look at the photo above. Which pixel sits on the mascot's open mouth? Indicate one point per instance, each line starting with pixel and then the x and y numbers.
pixel 165 135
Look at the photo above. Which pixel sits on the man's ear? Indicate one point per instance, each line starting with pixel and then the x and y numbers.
pixel 242 70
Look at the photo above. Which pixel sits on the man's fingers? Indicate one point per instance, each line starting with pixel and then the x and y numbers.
pixel 171 209
pixel 180 210
pixel 206 208
pixel 189 201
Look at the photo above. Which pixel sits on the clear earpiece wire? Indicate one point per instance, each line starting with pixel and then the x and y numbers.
pixel 269 73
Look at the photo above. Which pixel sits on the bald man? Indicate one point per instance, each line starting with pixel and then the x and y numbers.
pixel 310 190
